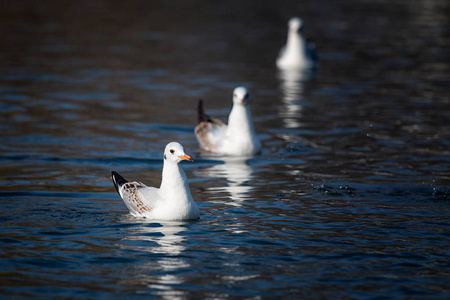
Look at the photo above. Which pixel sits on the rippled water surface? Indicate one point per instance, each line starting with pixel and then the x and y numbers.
pixel 349 199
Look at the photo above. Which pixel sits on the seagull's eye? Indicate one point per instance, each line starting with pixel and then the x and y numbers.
pixel 172 151
pixel 234 95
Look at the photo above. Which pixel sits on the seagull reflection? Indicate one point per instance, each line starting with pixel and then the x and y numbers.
pixel 164 240
pixel 291 86
pixel 237 172
pixel 164 234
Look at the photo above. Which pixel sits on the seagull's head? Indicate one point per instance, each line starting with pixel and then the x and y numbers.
pixel 174 152
pixel 295 24
pixel 241 96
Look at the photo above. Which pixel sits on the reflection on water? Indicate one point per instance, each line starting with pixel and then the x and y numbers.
pixel 291 86
pixel 238 173
pixel 165 235
pixel 164 242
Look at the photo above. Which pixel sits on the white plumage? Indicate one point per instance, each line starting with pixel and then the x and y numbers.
pixel 238 137
pixel 172 201
pixel 297 53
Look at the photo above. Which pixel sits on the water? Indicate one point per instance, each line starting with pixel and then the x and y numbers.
pixel 349 198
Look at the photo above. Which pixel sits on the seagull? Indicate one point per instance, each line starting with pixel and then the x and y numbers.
pixel 172 201
pixel 238 138
pixel 297 53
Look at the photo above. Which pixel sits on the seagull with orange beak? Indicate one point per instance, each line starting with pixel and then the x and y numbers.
pixel 172 201
pixel 238 138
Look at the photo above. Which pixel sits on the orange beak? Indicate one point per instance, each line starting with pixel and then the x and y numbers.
pixel 186 157
pixel 242 100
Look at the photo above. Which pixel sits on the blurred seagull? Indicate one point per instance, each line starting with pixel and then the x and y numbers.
pixel 297 53
pixel 172 201
pixel 238 137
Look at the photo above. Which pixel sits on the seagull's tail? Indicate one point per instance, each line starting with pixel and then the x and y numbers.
pixel 201 112
pixel 118 180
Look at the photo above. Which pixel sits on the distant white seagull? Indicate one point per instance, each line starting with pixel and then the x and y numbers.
pixel 172 201
pixel 238 137
pixel 297 53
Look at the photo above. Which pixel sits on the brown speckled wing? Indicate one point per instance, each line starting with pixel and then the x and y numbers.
pixel 132 197
pixel 204 127
pixel 202 130
pixel 201 133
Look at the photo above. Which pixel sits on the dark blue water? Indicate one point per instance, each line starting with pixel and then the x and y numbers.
pixel 349 199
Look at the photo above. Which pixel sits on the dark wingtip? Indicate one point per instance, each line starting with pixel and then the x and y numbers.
pixel 201 111
pixel 118 180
